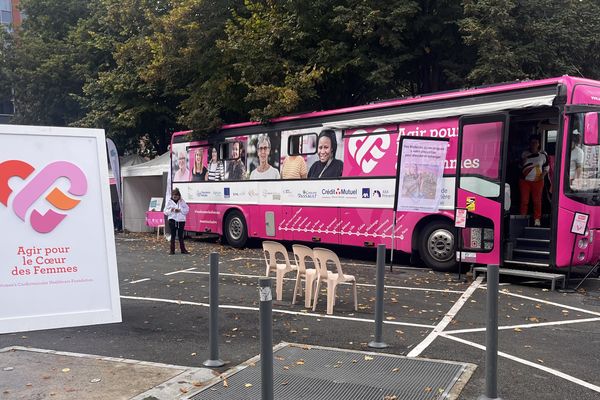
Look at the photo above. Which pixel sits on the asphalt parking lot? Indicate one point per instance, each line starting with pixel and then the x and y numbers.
pixel 548 340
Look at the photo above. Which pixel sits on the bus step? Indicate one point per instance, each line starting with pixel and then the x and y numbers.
pixel 527 252
pixel 532 243
pixel 536 232
pixel 528 263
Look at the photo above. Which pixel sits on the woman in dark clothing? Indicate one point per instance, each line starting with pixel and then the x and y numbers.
pixel 327 166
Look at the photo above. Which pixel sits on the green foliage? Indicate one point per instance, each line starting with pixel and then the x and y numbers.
pixel 531 39
pixel 143 68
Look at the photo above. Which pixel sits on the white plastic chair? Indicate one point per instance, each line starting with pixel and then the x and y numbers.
pixel 301 253
pixel 270 250
pixel 321 257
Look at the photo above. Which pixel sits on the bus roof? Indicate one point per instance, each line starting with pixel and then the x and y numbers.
pixel 432 97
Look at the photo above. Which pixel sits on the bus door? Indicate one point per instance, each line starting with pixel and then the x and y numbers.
pixel 480 186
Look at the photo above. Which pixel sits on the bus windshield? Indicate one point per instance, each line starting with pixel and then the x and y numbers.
pixel 584 163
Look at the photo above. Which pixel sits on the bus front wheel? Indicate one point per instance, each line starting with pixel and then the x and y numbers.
pixel 437 246
pixel 236 230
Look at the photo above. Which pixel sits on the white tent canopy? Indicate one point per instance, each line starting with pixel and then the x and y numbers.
pixel 141 182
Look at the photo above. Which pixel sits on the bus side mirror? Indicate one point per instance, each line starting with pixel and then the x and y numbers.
pixel 591 134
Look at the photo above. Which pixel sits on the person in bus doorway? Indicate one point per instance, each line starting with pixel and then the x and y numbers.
pixel 199 170
pixel 327 166
pixel 235 170
pixel 215 171
pixel 534 167
pixel 264 169
pixel 577 155
pixel 176 210
pixel 183 173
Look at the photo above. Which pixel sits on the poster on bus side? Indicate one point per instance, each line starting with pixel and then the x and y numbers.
pixel 420 173
pixel 58 266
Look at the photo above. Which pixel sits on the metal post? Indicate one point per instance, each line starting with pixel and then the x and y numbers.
pixel 266 338
pixel 491 335
pixel 213 320
pixel 460 232
pixel 378 343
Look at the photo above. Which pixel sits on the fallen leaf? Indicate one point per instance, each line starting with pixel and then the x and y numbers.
pixel 395 369
pixel 518 330
pixel 368 358
pixel 183 390
pixel 300 362
pixel 248 385
pixel 225 383
pixel 197 384
pixel 540 360
pixel 66 369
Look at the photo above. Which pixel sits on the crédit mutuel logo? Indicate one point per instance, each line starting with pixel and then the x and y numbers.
pixel 368 150
pixel 40 182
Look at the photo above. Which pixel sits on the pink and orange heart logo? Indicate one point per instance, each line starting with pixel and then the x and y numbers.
pixel 37 186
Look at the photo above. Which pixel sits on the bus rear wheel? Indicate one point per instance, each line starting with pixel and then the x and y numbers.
pixel 437 246
pixel 236 230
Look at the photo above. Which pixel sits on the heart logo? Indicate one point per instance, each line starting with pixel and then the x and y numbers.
pixel 37 186
pixel 368 150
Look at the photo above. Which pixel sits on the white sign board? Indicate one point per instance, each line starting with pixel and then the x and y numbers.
pixel 420 174
pixel 460 218
pixel 155 204
pixel 58 265
pixel 580 221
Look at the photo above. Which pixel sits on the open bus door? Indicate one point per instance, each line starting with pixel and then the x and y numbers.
pixel 480 186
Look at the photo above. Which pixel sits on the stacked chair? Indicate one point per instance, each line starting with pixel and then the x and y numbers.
pixel 313 277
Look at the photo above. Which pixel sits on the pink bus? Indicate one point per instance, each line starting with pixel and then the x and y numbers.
pixel 329 176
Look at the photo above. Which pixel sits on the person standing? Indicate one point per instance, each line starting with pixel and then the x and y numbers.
pixel 534 167
pixel 177 210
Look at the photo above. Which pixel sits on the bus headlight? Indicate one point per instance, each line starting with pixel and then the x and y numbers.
pixel 581 256
pixel 583 243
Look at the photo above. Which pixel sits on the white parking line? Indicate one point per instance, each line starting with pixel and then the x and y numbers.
pixel 277 311
pixel 446 320
pixel 567 307
pixel 189 271
pixel 140 280
pixel 526 326
pixel 180 271
pixel 554 372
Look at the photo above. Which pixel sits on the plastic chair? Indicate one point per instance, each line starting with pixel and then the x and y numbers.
pixel 309 274
pixel 321 257
pixel 158 228
pixel 270 250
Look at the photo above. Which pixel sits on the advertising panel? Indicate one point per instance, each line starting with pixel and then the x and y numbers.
pixel 58 265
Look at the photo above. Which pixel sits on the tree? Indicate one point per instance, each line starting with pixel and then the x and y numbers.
pixel 39 58
pixel 531 39
pixel 117 97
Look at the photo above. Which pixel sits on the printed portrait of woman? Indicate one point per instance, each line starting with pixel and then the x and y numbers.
pixel 183 173
pixel 215 170
pixel 198 169
pixel 327 166
pixel 264 169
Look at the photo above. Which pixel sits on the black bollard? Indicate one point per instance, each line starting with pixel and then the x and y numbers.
pixel 491 335
pixel 213 320
pixel 266 338
pixel 378 343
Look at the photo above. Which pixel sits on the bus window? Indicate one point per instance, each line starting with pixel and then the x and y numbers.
pixel 584 163
pixel 304 144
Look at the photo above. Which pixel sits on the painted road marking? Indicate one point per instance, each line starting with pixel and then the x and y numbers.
pixel 447 319
pixel 140 280
pixel 526 326
pixel 552 371
pixel 278 311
